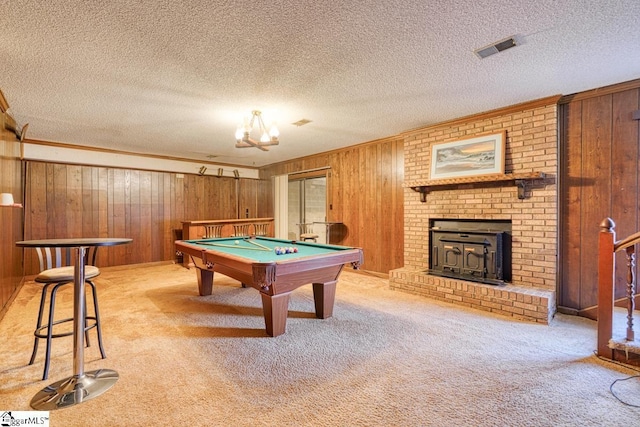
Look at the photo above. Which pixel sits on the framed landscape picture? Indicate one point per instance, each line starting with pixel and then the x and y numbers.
pixel 480 155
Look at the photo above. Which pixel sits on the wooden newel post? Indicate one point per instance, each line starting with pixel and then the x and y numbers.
pixel 606 285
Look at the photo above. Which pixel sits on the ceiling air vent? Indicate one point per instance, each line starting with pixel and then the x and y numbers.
pixel 301 122
pixel 496 47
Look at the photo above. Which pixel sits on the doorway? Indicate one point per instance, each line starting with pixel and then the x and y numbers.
pixel 307 194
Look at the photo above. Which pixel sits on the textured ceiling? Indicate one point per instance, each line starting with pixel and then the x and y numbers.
pixel 175 78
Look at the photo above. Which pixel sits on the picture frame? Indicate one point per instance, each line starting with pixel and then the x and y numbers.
pixel 479 155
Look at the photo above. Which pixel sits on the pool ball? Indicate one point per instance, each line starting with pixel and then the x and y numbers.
pixel 237 242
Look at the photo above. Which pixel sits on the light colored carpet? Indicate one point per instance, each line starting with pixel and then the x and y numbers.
pixel 384 359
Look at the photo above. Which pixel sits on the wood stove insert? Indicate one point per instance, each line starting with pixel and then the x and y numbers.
pixel 470 249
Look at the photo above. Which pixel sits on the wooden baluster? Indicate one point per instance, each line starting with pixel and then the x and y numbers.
pixel 631 257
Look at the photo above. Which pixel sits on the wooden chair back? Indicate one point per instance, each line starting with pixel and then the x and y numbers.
pixel 261 229
pixel 63 257
pixel 213 230
pixel 306 231
pixel 241 229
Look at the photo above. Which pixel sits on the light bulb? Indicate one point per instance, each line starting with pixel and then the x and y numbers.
pixel 265 137
pixel 239 133
pixel 274 132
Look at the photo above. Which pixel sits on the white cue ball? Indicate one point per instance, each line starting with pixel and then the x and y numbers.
pixel 237 242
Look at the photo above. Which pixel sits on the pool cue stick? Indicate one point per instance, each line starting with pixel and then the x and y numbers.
pixel 258 244
pixel 233 246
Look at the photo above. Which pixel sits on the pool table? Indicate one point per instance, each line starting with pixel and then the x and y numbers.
pixel 254 262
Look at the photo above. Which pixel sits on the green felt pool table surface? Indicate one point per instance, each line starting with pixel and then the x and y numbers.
pixel 242 247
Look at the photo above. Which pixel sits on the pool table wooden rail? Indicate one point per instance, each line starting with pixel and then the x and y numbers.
pixel 195 229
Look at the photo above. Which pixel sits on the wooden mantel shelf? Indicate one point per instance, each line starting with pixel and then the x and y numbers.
pixel 518 179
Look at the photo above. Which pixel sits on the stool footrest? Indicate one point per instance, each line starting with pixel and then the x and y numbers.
pixel 40 334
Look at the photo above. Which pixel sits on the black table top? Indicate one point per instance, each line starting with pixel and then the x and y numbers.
pixel 74 242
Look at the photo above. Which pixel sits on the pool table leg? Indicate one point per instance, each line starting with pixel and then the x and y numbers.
pixel 275 309
pixel 324 295
pixel 205 281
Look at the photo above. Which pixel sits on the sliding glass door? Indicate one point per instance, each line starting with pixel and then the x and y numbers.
pixel 307 204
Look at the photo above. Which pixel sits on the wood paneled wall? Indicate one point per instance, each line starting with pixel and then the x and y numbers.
pixel 365 193
pixel 65 200
pixel 11 181
pixel 599 172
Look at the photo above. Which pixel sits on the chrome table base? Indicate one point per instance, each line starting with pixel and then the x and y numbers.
pixel 74 390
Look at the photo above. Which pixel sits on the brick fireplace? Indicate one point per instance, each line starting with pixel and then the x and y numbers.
pixel 530 207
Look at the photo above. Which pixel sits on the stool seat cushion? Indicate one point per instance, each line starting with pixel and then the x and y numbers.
pixel 65 274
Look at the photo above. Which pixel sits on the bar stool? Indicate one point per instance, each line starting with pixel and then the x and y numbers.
pixel 306 232
pixel 55 272
pixel 241 230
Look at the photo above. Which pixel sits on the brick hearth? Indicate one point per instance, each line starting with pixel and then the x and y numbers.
pixel 531 146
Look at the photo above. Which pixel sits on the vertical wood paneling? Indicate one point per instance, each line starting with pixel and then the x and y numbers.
pixel 624 175
pixel 353 212
pixel 159 208
pixel 128 208
pixel 146 206
pixel 599 178
pixel 177 198
pixel 385 200
pixel 135 230
pixel 50 200
pixel 188 182
pixel 146 230
pixel 227 198
pixel 200 199
pixel 361 231
pixel 11 219
pixel 335 194
pixel 59 194
pixel 397 253
pixel 596 189
pixel 370 206
pixel 103 197
pixel 156 219
pixel 86 202
pixel 73 204
pixel 117 254
pixel 36 203
pixel 167 215
pixel 111 211
pixel 248 207
pixel 570 206
pixel 95 201
pixel 264 197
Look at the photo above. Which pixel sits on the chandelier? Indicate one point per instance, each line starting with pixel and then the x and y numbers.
pixel 243 133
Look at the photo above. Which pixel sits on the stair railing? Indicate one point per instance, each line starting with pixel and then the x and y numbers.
pixel 607 248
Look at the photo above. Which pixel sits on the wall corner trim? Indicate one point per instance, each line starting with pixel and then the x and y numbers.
pixel 4 105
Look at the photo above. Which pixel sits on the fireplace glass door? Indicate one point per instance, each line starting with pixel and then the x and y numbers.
pixel 476 251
